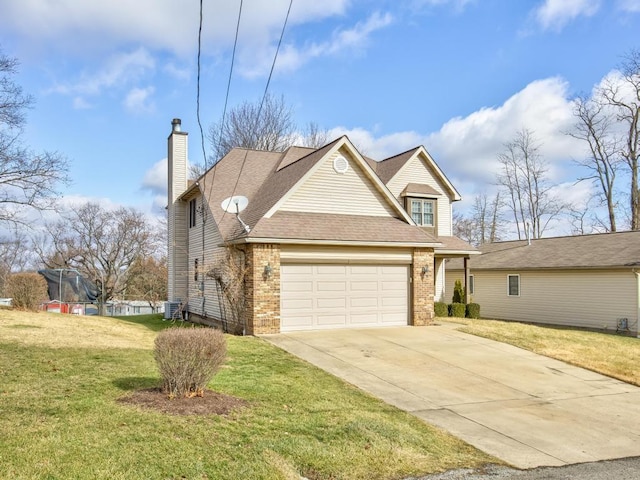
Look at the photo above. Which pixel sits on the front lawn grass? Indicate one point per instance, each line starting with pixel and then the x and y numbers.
pixel 616 356
pixel 60 418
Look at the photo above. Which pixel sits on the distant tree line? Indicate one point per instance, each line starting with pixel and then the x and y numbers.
pixel 526 201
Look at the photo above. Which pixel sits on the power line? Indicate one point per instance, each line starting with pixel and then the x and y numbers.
pixel 204 153
pixel 264 96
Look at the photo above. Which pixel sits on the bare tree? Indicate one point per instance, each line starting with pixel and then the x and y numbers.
pixel 15 255
pixel 264 125
pixel 594 126
pixel 314 137
pixel 101 244
pixel 27 179
pixel 484 222
pixel 488 217
pixel 465 228
pixel 147 280
pixel 524 180
pixel 623 94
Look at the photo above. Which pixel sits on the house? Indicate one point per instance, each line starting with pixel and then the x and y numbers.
pixel 265 242
pixel 590 281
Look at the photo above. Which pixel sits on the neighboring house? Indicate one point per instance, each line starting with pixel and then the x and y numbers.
pixel 329 239
pixel 133 307
pixel 590 281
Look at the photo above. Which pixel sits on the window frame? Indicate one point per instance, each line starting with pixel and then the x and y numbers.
pixel 421 202
pixel 471 284
pixel 515 275
pixel 192 213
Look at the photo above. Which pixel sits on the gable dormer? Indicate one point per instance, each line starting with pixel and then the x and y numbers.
pixel 417 182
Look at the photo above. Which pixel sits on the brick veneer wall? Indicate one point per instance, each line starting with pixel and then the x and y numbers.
pixel 262 313
pixel 423 287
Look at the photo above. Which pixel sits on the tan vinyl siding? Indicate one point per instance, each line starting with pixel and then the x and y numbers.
pixel 350 193
pixel 577 298
pixel 203 295
pixel 416 171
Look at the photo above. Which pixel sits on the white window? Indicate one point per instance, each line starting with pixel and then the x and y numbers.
pixel 513 285
pixel 422 212
pixel 471 285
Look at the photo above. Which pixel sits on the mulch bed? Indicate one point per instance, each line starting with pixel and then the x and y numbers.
pixel 212 403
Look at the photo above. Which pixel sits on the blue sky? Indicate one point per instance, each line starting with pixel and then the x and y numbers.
pixel 459 76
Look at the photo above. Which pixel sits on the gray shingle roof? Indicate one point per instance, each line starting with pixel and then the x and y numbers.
pixel 340 228
pixel 265 177
pixel 604 250
pixel 388 167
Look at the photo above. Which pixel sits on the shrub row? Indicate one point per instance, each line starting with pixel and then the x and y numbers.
pixel 460 310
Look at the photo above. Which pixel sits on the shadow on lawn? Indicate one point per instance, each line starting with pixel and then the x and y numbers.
pixel 136 383
pixel 154 322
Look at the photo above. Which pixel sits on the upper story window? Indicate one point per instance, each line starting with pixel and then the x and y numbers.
pixel 513 285
pixel 192 213
pixel 422 212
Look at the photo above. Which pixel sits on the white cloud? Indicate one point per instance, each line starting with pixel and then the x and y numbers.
pixel 178 72
pixel 118 71
pixel 632 6
pixel 457 4
pixel 555 14
pixel 466 148
pixel 291 57
pixel 155 179
pixel 471 144
pixel 138 100
pixel 80 103
pixel 378 148
pixel 82 27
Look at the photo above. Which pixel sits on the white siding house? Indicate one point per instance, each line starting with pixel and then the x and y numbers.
pixel 323 242
pixel 590 281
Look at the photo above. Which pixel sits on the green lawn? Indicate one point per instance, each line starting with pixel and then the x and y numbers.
pixel 59 415
pixel 616 356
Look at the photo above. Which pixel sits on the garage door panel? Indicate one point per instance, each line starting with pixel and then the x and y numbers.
pixel 357 286
pixel 300 322
pixel 328 286
pixel 393 318
pixel 330 269
pixel 400 303
pixel 360 319
pixel 338 302
pixel 331 320
pixel 340 296
pixel 297 286
pixel 364 302
pixel 300 304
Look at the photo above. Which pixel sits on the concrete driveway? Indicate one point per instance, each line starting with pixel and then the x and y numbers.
pixel 524 408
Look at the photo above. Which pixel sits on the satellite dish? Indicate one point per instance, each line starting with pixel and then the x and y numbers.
pixel 234 204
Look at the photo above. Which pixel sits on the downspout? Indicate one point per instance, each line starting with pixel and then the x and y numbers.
pixel 638 302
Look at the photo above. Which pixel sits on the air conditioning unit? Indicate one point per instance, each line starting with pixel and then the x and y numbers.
pixel 623 325
pixel 171 310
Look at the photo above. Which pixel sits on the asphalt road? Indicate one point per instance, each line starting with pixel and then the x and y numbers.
pixel 622 469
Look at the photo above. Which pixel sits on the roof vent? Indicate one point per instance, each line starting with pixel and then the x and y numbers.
pixel 340 164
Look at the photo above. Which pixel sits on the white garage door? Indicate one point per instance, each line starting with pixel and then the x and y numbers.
pixel 317 297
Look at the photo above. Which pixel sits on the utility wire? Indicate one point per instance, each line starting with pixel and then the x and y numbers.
pixel 226 98
pixel 264 96
pixel 204 153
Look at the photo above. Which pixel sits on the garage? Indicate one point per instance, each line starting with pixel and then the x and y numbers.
pixel 327 296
